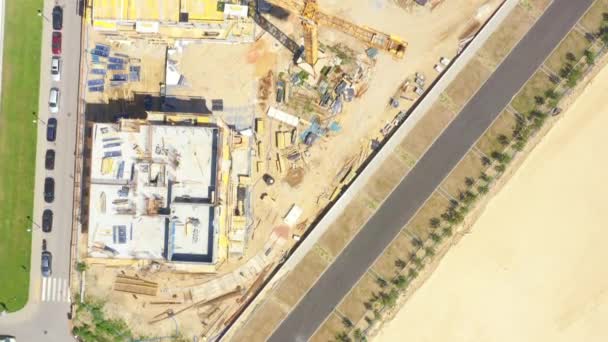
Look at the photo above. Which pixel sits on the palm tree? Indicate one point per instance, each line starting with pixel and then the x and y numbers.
pixel 483 189
pixel 486 161
pixel 500 168
pixel 381 282
pixel 400 263
pixel 469 181
pixel 552 94
pixel 435 222
pixel 359 335
pixel 347 322
pixel 412 273
pixel 417 261
pixel 503 140
pixel 343 337
pixel 447 231
pixel 429 251
pixel 435 237
pixel 416 242
pixel 400 282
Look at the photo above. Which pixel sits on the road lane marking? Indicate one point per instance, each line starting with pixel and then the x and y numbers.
pixel 53 289
pixel 43 292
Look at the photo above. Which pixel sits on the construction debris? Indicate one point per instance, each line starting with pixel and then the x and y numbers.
pixel 135 285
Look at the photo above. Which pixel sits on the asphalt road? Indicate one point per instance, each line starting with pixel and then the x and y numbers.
pixel 433 167
pixel 44 318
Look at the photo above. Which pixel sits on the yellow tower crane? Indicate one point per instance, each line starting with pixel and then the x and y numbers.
pixel 312 17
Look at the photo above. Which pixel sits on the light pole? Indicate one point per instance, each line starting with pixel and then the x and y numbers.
pixel 40 14
pixel 29 218
pixel 37 118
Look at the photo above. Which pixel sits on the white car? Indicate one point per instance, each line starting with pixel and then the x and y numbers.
pixel 56 68
pixel 54 100
pixel 6 338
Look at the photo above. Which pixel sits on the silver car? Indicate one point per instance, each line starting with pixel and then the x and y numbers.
pixel 54 100
pixel 56 68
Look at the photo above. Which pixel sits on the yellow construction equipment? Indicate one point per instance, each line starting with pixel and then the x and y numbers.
pixel 312 17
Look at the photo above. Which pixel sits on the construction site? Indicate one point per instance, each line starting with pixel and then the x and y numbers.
pixel 219 132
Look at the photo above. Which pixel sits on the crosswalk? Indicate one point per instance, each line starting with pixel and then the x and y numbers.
pixel 55 290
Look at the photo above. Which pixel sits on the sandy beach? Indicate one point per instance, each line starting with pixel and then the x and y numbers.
pixel 533 267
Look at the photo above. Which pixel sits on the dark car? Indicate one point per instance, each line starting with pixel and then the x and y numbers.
pixel 46 264
pixel 56 43
pixel 7 338
pixel 51 129
pixel 49 159
pixel 57 18
pixel 49 190
pixel 268 179
pixel 47 220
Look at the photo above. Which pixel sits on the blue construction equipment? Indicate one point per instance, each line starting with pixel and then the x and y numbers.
pixel 102 47
pixel 100 52
pixel 134 73
pixel 96 89
pixel 120 77
pixel 116 60
pixel 95 82
pixel 116 67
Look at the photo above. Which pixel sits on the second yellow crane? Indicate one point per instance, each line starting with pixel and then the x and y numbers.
pixel 312 17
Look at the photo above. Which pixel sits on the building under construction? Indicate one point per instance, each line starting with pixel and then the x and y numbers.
pixel 173 19
pixel 152 191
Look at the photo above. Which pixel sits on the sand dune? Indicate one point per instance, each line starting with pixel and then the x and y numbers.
pixel 534 266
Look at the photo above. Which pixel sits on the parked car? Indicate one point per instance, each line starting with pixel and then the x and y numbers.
pixel 49 190
pixel 56 43
pixel 46 264
pixel 54 100
pixel 49 160
pixel 57 18
pixel 47 220
pixel 7 338
pixel 268 179
pixel 56 68
pixel 51 129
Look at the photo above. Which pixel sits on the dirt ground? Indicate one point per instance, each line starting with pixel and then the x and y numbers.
pixel 470 79
pixel 594 17
pixel 328 331
pixel 420 224
pixel 499 44
pixel 400 249
pixel 352 306
pixel 426 130
pixel 575 43
pixel 301 277
pixel 530 270
pixel 469 166
pixel 524 101
pixel 503 125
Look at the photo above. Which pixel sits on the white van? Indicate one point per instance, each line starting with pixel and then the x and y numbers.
pixel 56 68
pixel 54 100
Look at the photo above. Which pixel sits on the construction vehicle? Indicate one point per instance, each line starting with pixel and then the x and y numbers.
pixel 312 17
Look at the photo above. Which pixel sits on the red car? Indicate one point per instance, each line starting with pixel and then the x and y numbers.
pixel 56 43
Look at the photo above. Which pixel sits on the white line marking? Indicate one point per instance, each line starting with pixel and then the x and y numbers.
pixel 67 292
pixel 53 289
pixel 43 291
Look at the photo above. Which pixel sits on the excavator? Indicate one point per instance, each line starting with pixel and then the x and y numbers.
pixel 312 17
